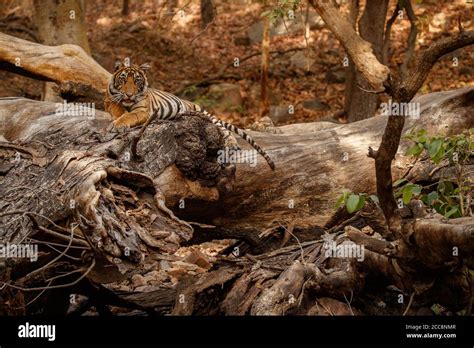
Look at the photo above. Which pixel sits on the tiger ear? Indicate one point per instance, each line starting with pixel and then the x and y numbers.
pixel 118 65
pixel 145 66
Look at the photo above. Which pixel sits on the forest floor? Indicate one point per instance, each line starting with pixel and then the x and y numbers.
pixel 181 52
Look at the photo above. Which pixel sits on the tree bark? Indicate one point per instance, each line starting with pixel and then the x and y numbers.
pixel 360 104
pixel 325 158
pixel 360 50
pixel 60 22
pixel 207 13
pixel 264 103
pixel 125 8
pixel 59 64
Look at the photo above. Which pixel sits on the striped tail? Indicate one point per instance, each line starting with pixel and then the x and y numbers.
pixel 242 134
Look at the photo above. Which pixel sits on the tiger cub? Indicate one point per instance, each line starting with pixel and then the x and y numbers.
pixel 130 102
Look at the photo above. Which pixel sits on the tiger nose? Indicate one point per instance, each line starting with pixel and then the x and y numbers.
pixel 129 94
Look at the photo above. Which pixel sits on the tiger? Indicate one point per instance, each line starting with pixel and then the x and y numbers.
pixel 131 103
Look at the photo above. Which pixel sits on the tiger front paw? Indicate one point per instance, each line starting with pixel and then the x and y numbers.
pixel 120 124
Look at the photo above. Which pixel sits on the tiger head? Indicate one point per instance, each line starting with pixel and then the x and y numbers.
pixel 128 84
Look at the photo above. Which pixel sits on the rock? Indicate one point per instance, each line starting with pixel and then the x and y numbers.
pixel 315 105
pixel 154 277
pixel 255 32
pixel 138 280
pixel 301 61
pixel 198 258
pixel 279 113
pixel 336 76
pixel 224 97
pixel 242 41
pixel 177 272
pixel 274 97
pixel 193 93
pixel 164 265
pixel 290 26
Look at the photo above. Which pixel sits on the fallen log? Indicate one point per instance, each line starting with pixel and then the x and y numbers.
pixel 117 207
pixel 313 165
pixel 71 185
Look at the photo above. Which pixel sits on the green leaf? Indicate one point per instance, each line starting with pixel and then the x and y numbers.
pixel 340 201
pixel 399 181
pixel 449 188
pixel 415 150
pixel 424 199
pixel 407 193
pixel 432 196
pixel 361 203
pixel 352 203
pixel 434 147
pixel 437 309
pixel 417 189
pixel 422 139
pixel 374 198
pixel 342 198
pixel 452 211
pixel 441 187
pixel 439 155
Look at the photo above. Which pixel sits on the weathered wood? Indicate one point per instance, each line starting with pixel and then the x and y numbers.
pixel 360 50
pixel 52 63
pixel 314 162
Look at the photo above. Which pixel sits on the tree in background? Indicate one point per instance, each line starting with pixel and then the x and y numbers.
pixel 60 22
pixel 208 13
pixel 264 103
pixel 125 8
pixel 360 104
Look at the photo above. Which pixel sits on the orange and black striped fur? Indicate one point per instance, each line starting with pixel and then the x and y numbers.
pixel 130 102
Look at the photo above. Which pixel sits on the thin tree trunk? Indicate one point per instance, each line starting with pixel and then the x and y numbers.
pixel 125 8
pixel 207 12
pixel 264 103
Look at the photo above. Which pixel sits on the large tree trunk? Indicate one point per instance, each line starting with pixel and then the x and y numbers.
pixel 314 163
pixel 360 104
pixel 60 22
pixel 120 204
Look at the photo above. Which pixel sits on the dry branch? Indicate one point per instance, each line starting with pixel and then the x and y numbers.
pixel 52 63
pixel 360 50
